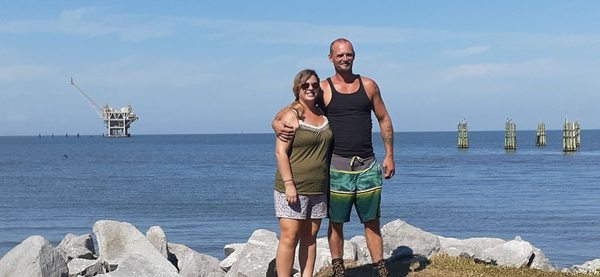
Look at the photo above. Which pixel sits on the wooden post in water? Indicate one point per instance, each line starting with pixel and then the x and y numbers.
pixel 510 136
pixel 540 137
pixel 463 137
pixel 569 136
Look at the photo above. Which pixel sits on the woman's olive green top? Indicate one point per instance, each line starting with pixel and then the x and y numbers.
pixel 309 155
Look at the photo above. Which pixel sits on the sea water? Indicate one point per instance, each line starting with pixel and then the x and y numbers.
pixel 207 191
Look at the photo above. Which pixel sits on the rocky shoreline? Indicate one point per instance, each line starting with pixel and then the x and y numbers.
pixel 125 251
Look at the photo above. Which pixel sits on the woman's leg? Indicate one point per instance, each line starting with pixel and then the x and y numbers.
pixel 308 246
pixel 288 239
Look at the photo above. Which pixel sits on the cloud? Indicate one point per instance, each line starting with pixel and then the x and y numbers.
pixel 13 73
pixel 469 51
pixel 526 68
pixel 93 22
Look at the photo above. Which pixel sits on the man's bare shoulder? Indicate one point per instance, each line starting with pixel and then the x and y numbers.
pixel 326 91
pixel 324 84
pixel 367 81
pixel 370 85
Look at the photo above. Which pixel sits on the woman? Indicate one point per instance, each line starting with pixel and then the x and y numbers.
pixel 302 177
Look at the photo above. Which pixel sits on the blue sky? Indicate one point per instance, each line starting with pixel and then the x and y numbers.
pixel 194 67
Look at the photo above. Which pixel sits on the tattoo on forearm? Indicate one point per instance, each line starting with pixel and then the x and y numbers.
pixel 387 134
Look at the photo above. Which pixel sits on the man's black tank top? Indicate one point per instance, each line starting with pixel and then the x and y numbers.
pixel 350 119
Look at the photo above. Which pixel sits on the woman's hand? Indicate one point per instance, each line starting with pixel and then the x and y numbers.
pixel 290 193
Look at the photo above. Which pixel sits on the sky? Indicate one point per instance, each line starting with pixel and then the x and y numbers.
pixel 213 67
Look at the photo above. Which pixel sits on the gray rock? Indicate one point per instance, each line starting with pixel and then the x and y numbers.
pixel 231 255
pixel 232 247
pixel 35 256
pixel 73 246
pixel 157 237
pixel 137 265
pixel 194 264
pixel 118 240
pixel 363 256
pixel 512 253
pixel 467 248
pixel 257 254
pixel 588 267
pixel 540 261
pixel 481 248
pixel 323 257
pixel 402 239
pixel 84 267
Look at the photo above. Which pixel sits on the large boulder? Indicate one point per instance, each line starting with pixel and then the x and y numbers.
pixel 402 239
pixel 540 261
pixel 467 248
pixel 35 256
pixel 512 253
pixel 589 267
pixel 194 264
pixel 256 255
pixel 157 237
pixel 73 246
pixel 323 257
pixel 137 265
pixel 118 240
pixel 363 256
pixel 231 254
pixel 84 267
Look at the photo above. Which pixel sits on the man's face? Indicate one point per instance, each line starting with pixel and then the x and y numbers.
pixel 342 56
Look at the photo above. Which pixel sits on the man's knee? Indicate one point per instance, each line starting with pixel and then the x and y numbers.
pixel 372 224
pixel 337 227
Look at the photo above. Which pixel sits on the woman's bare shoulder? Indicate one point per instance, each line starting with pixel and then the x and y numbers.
pixel 290 115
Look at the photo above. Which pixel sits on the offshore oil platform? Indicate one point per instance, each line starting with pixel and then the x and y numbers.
pixel 117 122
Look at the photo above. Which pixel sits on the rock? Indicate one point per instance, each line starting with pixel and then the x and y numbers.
pixel 73 246
pixel 480 248
pixel 402 239
pixel 137 265
pixel 232 247
pixel 257 254
pixel 118 240
pixel 35 256
pixel 540 261
pixel 157 237
pixel 592 266
pixel 84 267
pixel 363 256
pixel 194 264
pixel 511 253
pixel 231 255
pixel 323 257
pixel 467 248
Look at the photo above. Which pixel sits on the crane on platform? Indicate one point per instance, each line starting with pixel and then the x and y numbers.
pixel 117 122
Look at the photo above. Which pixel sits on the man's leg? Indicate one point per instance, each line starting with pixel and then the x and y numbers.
pixel 375 245
pixel 374 241
pixel 335 237
pixel 368 202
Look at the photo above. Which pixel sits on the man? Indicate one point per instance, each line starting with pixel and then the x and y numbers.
pixel 356 177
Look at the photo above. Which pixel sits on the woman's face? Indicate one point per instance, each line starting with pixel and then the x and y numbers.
pixel 309 90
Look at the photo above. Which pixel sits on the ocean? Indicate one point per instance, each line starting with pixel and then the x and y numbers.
pixel 207 191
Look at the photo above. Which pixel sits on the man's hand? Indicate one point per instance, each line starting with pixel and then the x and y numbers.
pixel 388 167
pixel 283 130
